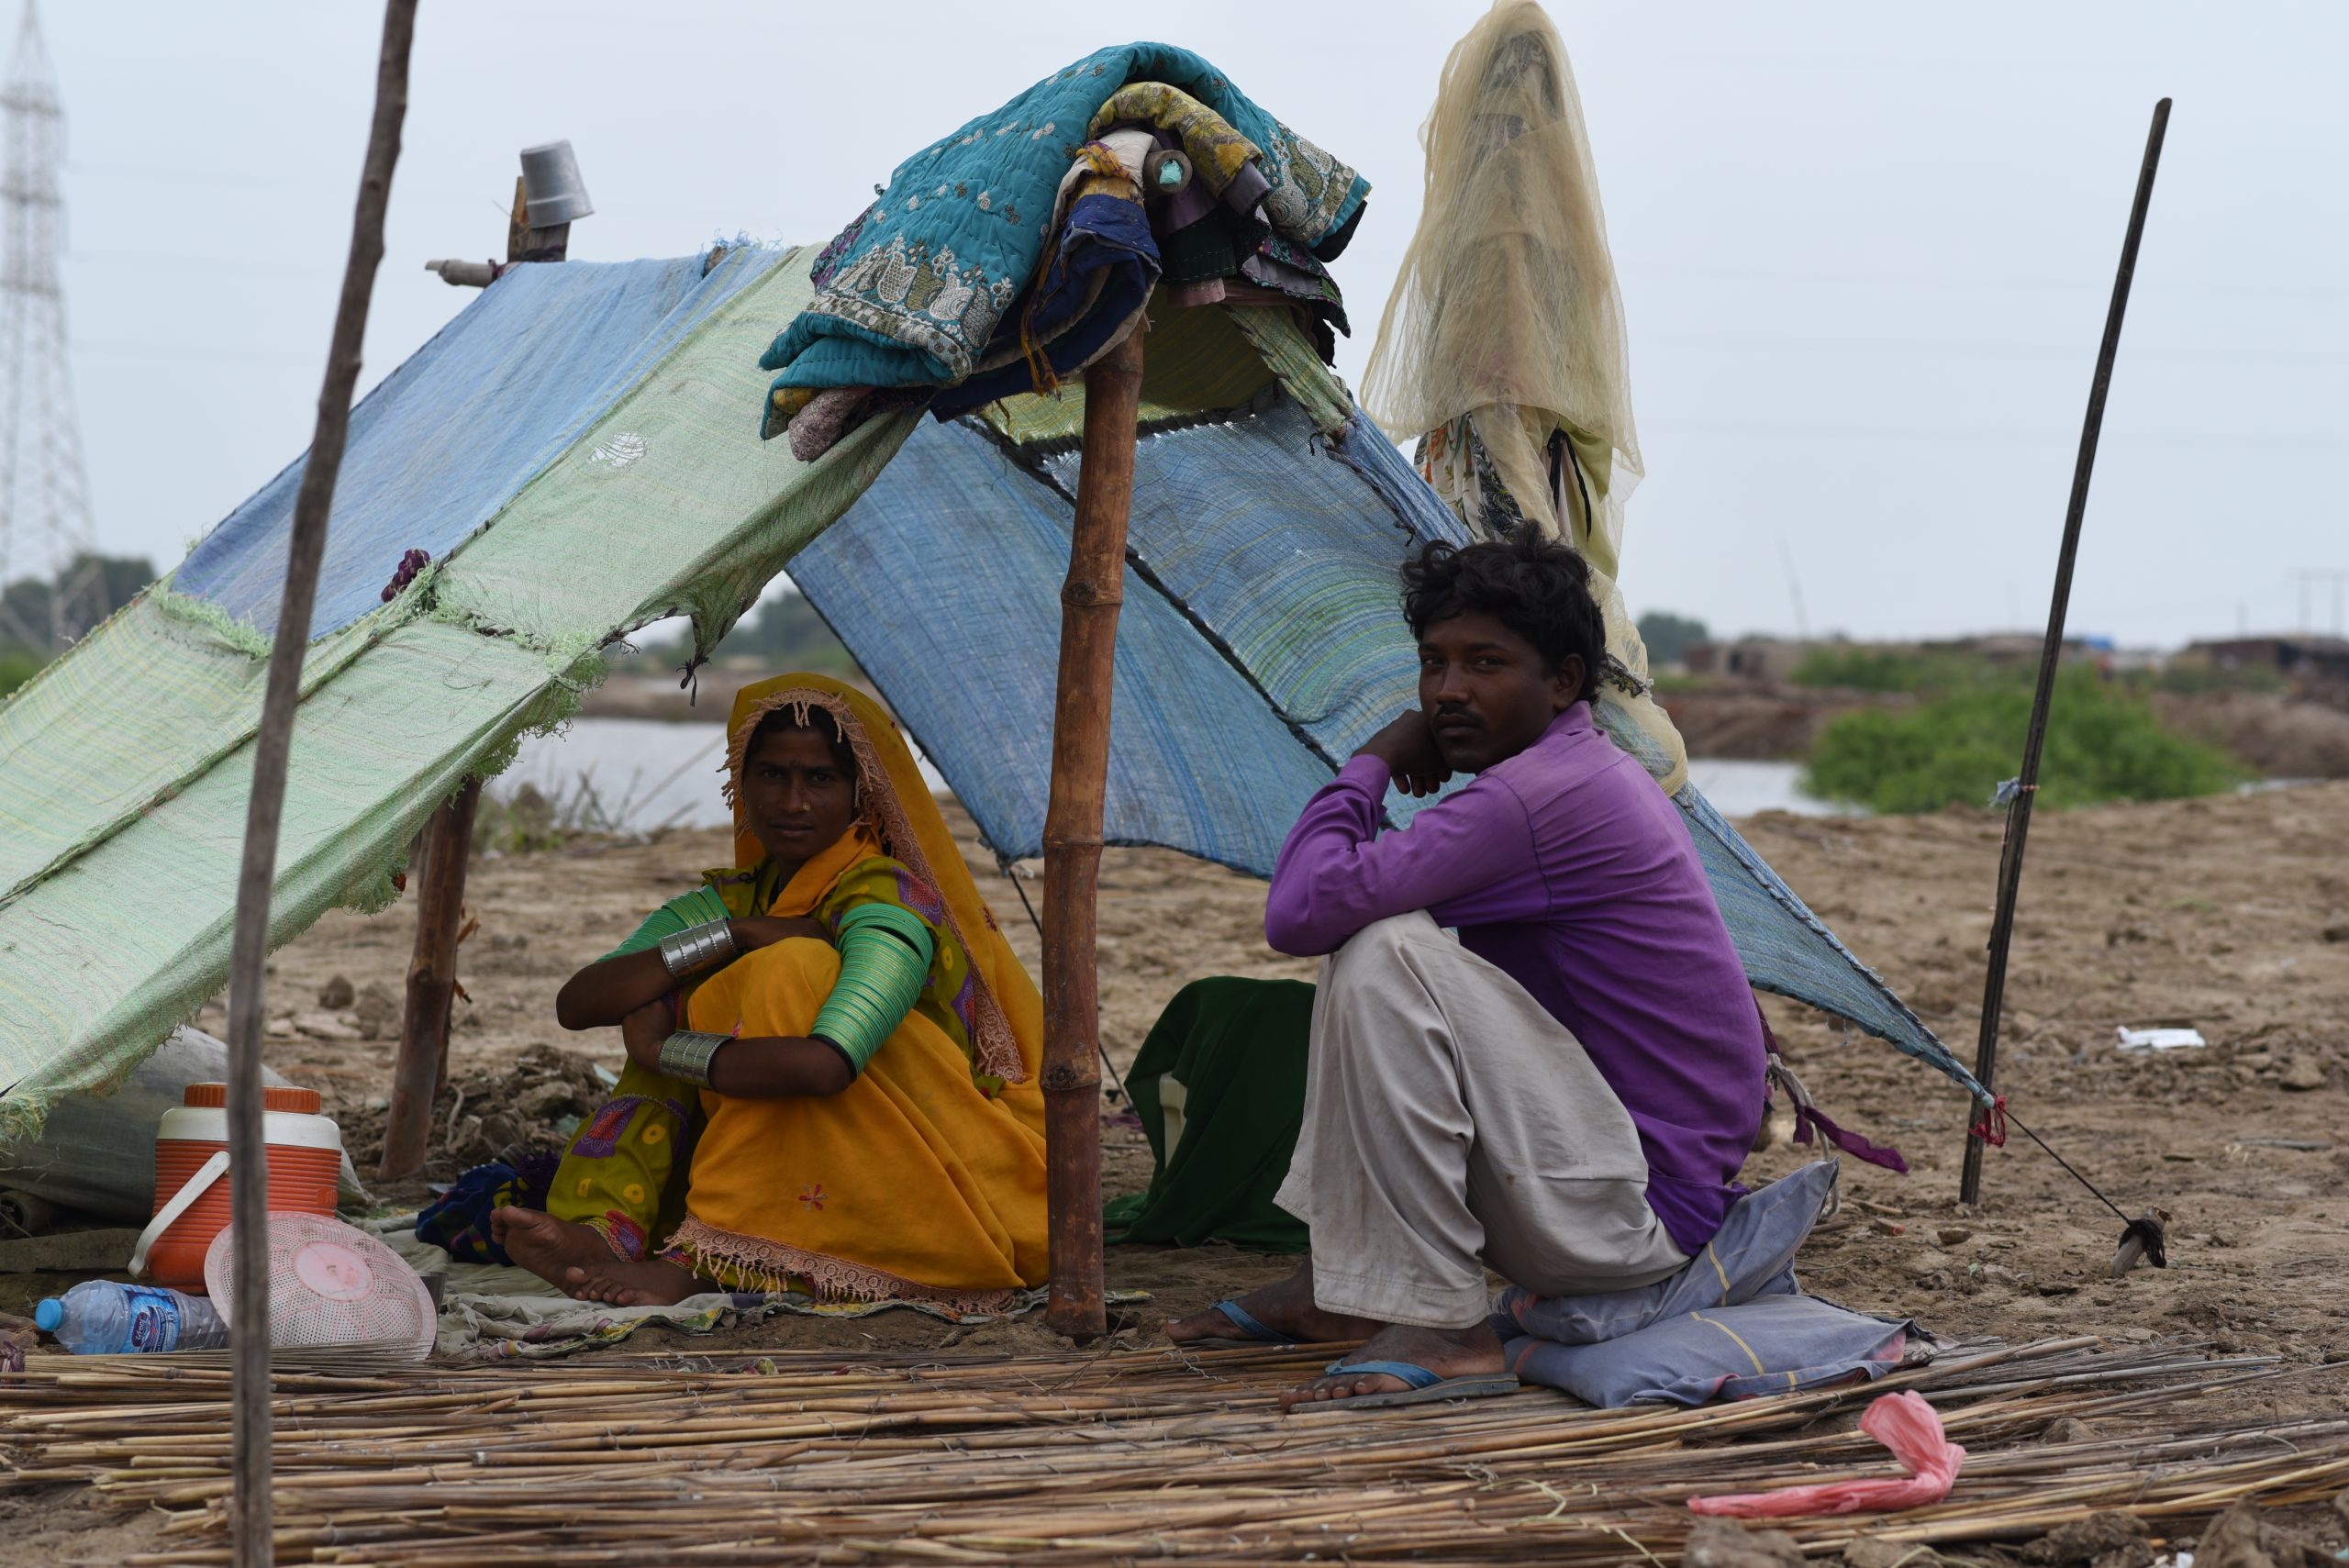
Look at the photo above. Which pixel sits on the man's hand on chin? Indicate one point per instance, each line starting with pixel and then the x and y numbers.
pixel 1408 748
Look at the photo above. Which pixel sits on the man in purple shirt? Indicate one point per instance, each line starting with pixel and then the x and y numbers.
pixel 1563 1092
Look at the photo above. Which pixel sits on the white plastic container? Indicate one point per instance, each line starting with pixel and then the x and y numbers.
pixel 553 192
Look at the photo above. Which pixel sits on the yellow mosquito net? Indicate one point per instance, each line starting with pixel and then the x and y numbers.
pixel 1502 350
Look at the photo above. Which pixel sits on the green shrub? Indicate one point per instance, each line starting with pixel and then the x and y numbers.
pixel 521 823
pixel 1667 636
pixel 786 632
pixel 17 665
pixel 2193 677
pixel 2102 744
pixel 1865 669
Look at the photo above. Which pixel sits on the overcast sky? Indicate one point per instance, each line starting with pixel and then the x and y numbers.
pixel 1866 250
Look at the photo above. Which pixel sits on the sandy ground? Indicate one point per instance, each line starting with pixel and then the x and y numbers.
pixel 2230 914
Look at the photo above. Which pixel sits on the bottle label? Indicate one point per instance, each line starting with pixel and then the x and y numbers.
pixel 154 1318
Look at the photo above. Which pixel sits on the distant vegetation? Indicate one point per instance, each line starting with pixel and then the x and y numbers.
pixel 1938 671
pixel 25 606
pixel 17 665
pixel 784 632
pixel 1667 636
pixel 2193 677
pixel 1859 667
pixel 2103 743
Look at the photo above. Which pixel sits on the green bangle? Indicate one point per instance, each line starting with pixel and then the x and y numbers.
pixel 900 923
pixel 885 959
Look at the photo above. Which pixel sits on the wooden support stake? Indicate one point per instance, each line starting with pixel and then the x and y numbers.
pixel 1089 601
pixel 251 1515
pixel 422 1066
pixel 524 243
pixel 2050 654
pixel 417 1071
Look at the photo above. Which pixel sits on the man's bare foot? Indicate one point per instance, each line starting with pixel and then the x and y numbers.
pixel 1448 1352
pixel 548 1246
pixel 617 1283
pixel 1287 1308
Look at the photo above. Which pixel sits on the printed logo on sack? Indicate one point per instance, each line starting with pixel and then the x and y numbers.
pixel 619 450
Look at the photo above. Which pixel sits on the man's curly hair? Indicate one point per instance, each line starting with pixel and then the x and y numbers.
pixel 1538 589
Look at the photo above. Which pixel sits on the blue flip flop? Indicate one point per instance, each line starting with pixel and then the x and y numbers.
pixel 1420 1386
pixel 1253 1333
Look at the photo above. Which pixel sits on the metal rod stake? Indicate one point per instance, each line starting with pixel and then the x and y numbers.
pixel 2002 925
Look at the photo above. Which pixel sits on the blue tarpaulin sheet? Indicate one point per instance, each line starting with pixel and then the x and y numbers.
pixel 453 433
pixel 1261 638
pixel 1261 641
pixel 944 578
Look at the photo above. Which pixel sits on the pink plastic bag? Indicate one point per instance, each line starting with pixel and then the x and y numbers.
pixel 1902 1422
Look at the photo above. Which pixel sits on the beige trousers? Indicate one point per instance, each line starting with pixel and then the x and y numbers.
pixel 1450 1123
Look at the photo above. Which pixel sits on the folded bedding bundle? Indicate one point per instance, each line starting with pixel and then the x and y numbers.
pixel 1007 257
pixel 1732 1325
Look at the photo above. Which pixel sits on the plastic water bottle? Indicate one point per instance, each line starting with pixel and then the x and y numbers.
pixel 106 1318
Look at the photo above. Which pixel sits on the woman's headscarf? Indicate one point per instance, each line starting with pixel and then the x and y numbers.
pixel 894 803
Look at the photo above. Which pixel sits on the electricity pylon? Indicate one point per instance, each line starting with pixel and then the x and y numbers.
pixel 46 533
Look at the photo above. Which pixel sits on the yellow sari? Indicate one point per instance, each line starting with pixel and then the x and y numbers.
pixel 925 1177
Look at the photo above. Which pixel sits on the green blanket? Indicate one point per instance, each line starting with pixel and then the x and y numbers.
pixel 1220 1086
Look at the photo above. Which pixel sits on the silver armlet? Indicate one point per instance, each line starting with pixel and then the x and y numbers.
pixel 696 948
pixel 687 1053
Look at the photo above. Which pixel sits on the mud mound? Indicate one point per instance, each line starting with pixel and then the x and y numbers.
pixel 529 1104
pixel 2272 735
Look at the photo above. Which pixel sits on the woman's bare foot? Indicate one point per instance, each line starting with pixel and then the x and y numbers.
pixel 617 1283
pixel 1448 1352
pixel 548 1246
pixel 1284 1308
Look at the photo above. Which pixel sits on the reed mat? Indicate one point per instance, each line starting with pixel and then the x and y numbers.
pixel 1097 1458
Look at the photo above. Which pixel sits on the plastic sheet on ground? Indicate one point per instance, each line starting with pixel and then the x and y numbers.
pixel 491 1312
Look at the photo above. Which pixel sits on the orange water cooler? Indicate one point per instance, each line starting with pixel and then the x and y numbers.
pixel 191 1170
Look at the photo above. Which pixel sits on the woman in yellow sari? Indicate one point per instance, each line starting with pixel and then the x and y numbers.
pixel 858 1042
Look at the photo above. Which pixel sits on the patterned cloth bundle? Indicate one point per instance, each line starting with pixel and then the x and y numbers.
pixel 1007 257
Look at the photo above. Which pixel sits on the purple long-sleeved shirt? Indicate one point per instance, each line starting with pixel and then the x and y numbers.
pixel 1566 867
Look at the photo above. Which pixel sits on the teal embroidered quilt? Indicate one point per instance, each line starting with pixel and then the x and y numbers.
pixel 911 292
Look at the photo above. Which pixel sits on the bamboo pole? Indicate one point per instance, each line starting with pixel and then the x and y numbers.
pixel 248 1169
pixel 423 1055
pixel 421 1065
pixel 2002 924
pixel 1089 602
